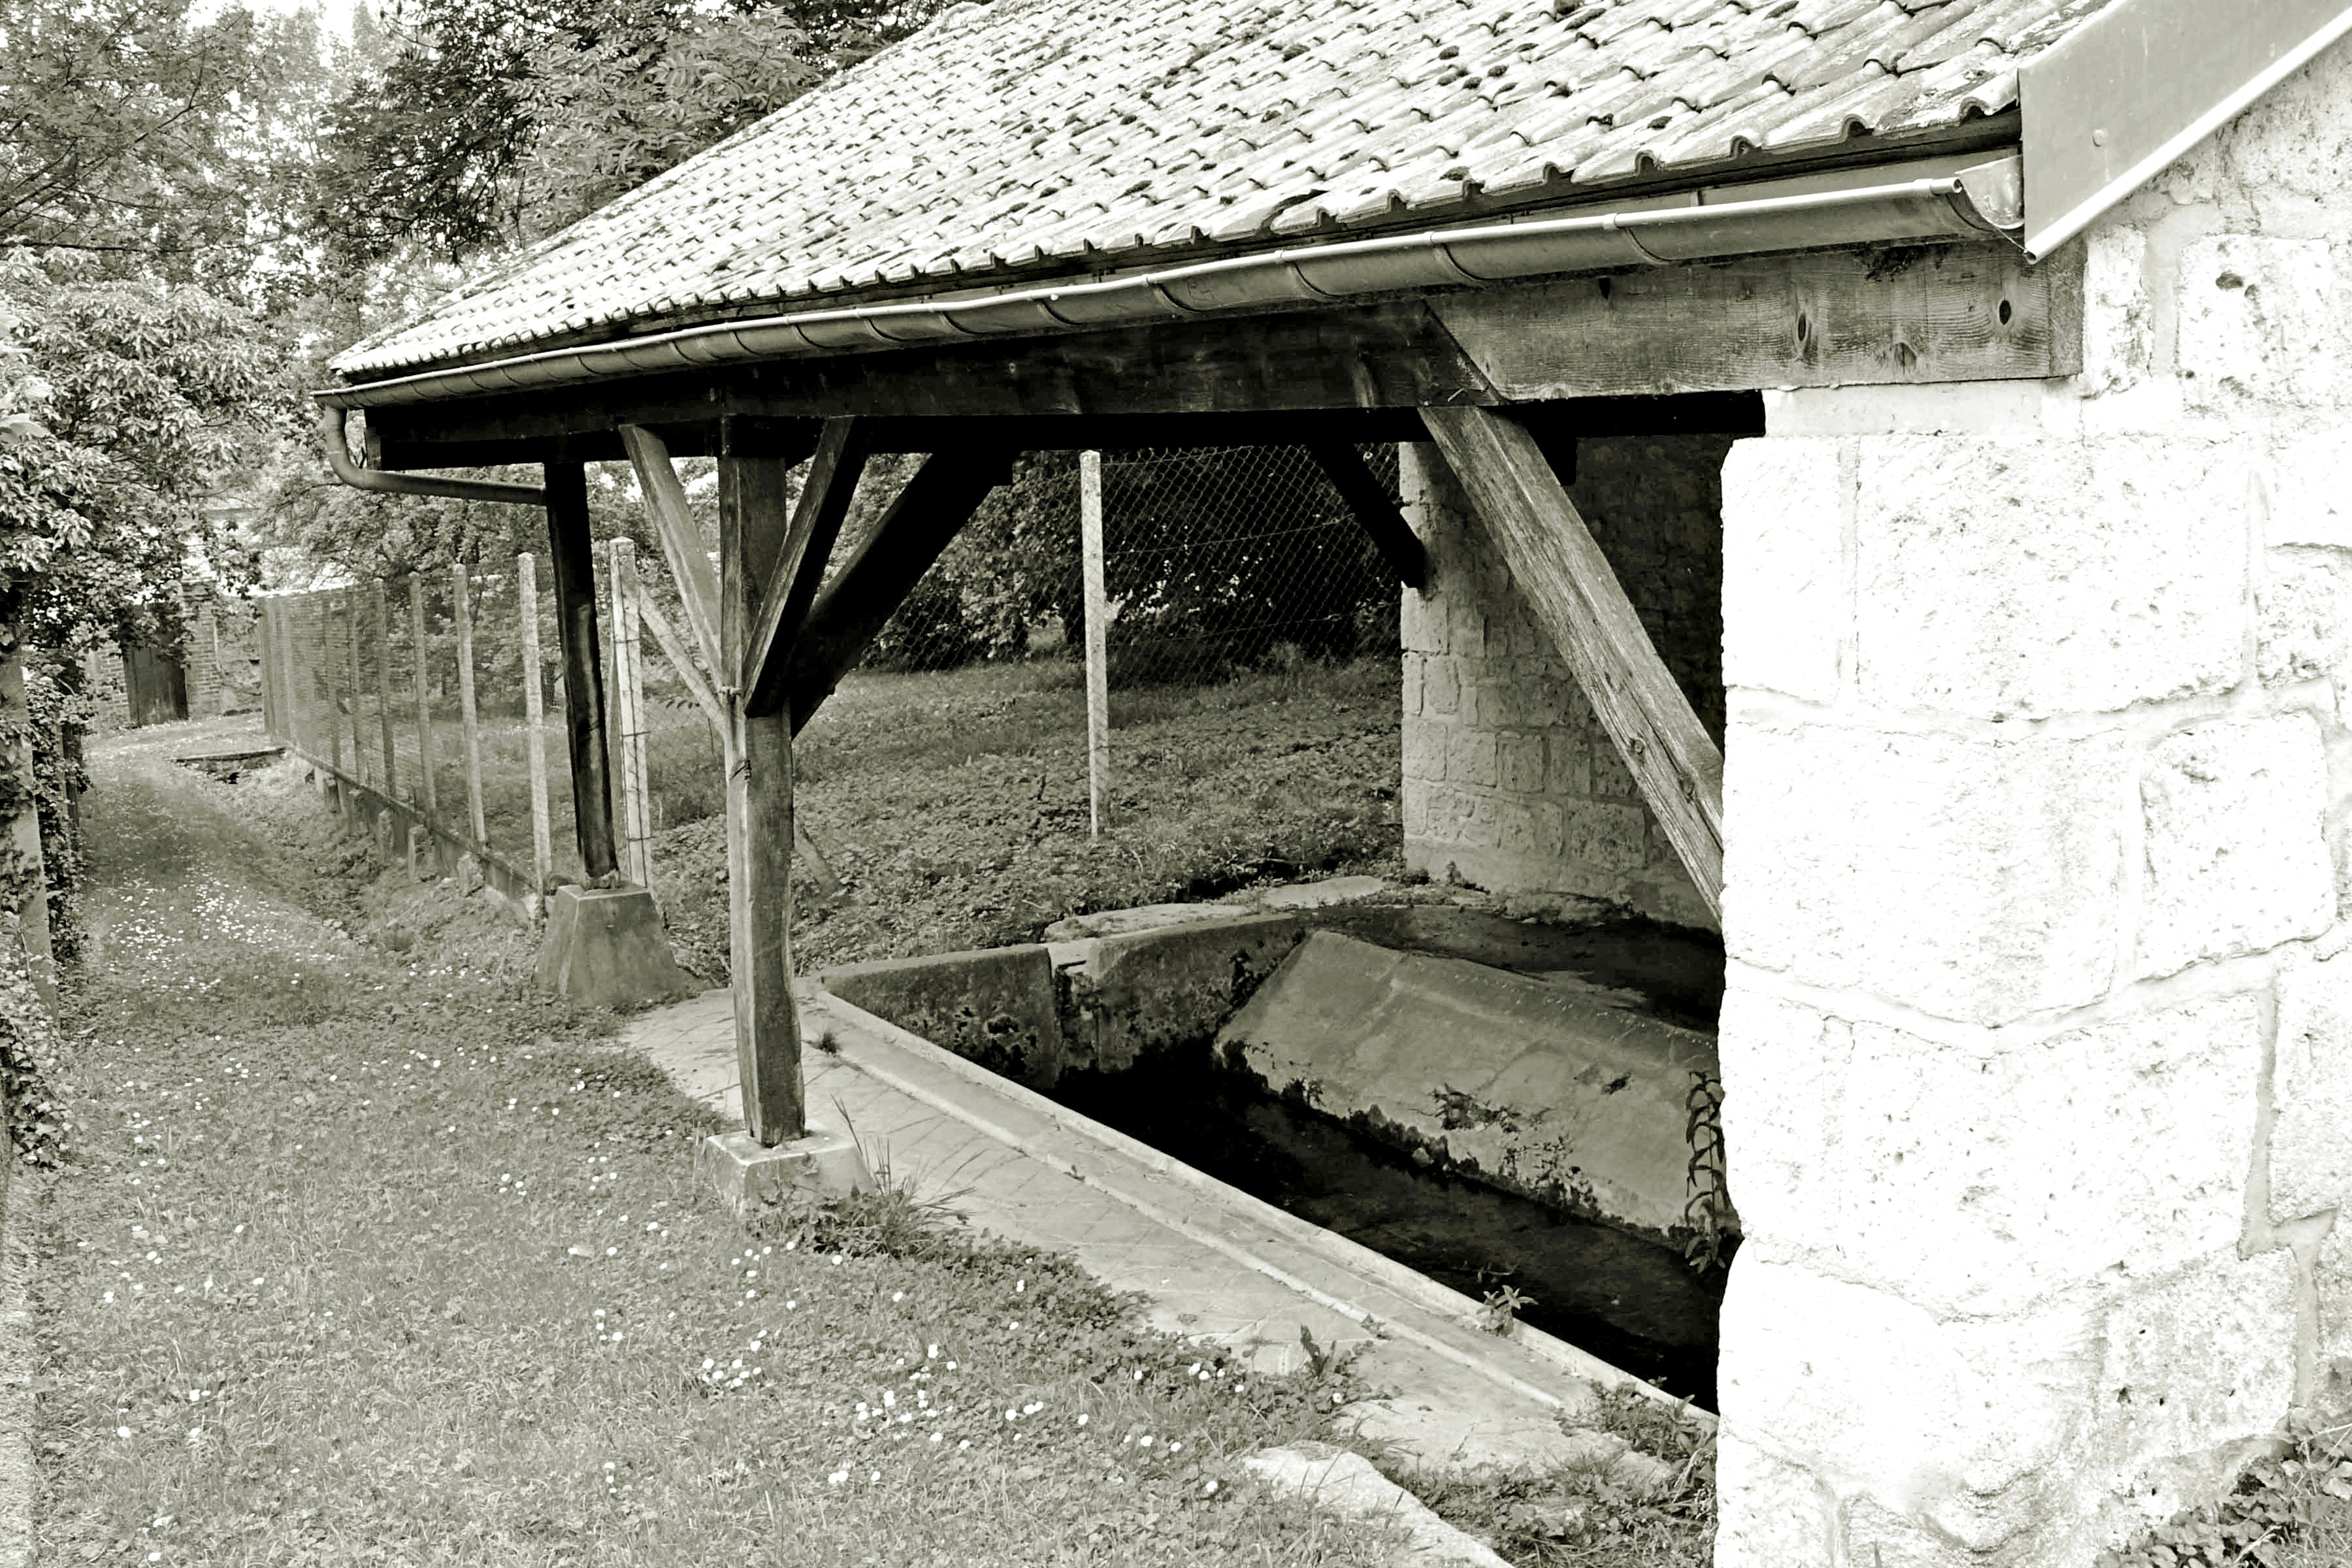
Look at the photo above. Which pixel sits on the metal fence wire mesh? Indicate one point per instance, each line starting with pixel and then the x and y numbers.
pixel 368 680
pixel 444 691
pixel 1219 559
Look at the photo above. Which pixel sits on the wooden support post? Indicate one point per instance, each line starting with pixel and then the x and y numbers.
pixel 1368 498
pixel 461 610
pixel 534 721
pixel 922 520
pixel 574 570
pixel 426 790
pixel 629 687
pixel 384 692
pixel 1092 557
pixel 752 528
pixel 1575 594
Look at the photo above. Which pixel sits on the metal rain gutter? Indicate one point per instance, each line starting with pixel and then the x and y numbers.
pixel 339 460
pixel 1977 202
pixel 2107 108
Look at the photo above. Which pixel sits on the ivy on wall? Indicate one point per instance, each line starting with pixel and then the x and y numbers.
pixel 62 714
pixel 36 1117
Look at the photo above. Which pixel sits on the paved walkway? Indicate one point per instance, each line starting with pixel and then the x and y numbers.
pixel 1212 1262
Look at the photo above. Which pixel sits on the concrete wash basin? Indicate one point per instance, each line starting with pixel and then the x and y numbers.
pixel 1553 1062
pixel 1552 1088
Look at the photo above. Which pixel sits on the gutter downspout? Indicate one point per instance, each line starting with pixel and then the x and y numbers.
pixel 1979 203
pixel 339 460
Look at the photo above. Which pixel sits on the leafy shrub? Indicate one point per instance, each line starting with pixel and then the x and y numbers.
pixel 36 1117
pixel 2276 1500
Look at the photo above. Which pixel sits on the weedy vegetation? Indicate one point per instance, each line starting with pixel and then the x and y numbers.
pixel 373 1257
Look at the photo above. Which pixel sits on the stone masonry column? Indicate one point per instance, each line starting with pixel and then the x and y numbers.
pixel 2037 1050
pixel 1510 784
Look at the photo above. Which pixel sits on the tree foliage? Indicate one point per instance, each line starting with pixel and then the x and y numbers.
pixel 486 124
pixel 139 403
pixel 132 132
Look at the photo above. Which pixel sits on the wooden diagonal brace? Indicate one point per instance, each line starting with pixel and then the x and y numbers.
pixel 681 659
pixel 681 543
pixel 1375 513
pixel 923 520
pixel 791 586
pixel 1575 594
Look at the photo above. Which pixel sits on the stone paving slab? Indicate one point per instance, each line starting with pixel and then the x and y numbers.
pixel 1210 1262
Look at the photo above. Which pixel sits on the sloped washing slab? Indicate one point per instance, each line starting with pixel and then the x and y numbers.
pixel 1550 1087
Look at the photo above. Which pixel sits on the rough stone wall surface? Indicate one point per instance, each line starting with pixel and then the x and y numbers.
pixel 222 658
pixel 1509 781
pixel 102 682
pixel 2037 1046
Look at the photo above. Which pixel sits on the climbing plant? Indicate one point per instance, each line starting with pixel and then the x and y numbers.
pixel 2278 1499
pixel 35 1117
pixel 1707 1214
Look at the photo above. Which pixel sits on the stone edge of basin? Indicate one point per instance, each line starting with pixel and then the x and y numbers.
pixel 1442 1301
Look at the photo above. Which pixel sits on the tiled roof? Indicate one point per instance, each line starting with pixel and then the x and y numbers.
pixel 1088 134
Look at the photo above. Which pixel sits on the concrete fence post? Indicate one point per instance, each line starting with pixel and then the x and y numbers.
pixel 384 692
pixel 422 691
pixel 628 691
pixel 461 611
pixel 1097 603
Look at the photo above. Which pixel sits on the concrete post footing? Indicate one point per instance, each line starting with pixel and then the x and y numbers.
pixel 605 947
pixel 749 1176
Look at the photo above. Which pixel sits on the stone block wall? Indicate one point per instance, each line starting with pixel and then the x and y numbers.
pixel 2037 1046
pixel 1509 781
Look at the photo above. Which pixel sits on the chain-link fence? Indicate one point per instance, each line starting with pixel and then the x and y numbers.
pixel 444 691
pixel 1223 560
pixel 1219 559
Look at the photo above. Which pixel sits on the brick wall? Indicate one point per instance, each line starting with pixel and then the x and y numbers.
pixel 1510 782
pixel 2038 1042
pixel 103 683
pixel 222 658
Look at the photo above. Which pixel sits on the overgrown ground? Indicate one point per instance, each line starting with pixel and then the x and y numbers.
pixel 372 1256
pixel 953 805
pixel 366 1253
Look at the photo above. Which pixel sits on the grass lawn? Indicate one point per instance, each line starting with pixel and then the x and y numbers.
pixel 368 1256
pixel 367 1253
pixel 953 805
